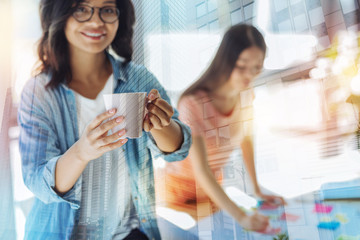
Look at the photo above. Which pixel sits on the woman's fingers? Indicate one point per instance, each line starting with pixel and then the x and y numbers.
pixel 160 114
pixel 164 106
pixel 261 222
pixel 111 138
pixel 105 127
pixel 153 94
pixel 155 121
pixel 114 145
pixel 147 124
pixel 100 118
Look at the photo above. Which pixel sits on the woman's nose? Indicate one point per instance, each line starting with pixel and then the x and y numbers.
pixel 96 18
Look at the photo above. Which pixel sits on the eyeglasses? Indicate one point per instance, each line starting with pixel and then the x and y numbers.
pixel 107 14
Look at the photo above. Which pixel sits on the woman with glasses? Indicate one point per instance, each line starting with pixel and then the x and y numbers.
pixel 88 181
pixel 212 108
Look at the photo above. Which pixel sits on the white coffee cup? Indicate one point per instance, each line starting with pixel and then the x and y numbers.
pixel 132 107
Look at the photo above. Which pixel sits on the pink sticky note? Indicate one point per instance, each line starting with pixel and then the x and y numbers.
pixel 321 208
pixel 268 206
pixel 289 217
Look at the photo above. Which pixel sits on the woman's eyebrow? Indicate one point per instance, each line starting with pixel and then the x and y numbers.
pixel 106 2
pixel 242 60
pixel 114 2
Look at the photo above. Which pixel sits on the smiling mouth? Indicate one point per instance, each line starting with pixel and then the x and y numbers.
pixel 93 35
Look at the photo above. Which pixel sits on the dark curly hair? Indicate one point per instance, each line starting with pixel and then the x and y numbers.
pixel 53 48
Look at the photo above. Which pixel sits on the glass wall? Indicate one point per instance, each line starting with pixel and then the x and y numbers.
pixel 304 117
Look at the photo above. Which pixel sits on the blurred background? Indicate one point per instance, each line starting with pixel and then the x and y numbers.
pixel 307 100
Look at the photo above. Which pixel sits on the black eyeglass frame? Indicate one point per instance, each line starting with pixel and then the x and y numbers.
pixel 92 13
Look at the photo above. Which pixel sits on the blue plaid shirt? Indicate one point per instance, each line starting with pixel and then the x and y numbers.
pixel 48 123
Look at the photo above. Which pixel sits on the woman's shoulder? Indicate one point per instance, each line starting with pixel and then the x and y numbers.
pixel 197 97
pixel 135 72
pixel 131 67
pixel 38 82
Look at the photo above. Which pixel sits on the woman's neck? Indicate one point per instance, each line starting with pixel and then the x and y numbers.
pixel 89 68
pixel 224 100
pixel 225 93
pixel 90 73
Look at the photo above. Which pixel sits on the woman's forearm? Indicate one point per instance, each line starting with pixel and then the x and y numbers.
pixel 68 169
pixel 248 154
pixel 207 181
pixel 169 138
pixel 215 192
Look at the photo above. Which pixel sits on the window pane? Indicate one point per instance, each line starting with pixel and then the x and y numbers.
pixel 248 11
pixel 300 23
pixel 236 16
pixel 200 10
pixel 212 5
pixel 214 25
pixel 348 6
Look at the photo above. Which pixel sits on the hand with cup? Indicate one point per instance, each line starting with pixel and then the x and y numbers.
pixel 159 112
pixel 95 140
pixel 157 119
pixel 132 107
pixel 166 132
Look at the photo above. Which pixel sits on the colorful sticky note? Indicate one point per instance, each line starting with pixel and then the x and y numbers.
pixel 347 237
pixel 289 217
pixel 322 208
pixel 262 205
pixel 329 225
pixel 341 218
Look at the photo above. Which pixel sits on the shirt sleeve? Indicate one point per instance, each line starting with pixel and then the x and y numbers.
pixel 183 151
pixel 39 146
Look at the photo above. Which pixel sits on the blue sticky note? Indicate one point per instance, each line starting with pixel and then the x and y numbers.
pixel 260 203
pixel 329 225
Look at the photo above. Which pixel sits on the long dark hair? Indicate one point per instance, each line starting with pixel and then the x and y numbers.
pixel 53 48
pixel 236 39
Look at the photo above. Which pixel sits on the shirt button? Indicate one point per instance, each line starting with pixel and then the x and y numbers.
pixel 143 220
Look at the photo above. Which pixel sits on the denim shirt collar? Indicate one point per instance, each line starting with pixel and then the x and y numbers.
pixel 118 68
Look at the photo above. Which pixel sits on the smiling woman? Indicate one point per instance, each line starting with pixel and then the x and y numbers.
pixel 89 181
pixel 86 31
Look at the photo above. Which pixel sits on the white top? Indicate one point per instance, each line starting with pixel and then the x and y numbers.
pixel 107 210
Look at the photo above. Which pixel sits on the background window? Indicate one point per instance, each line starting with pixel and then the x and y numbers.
pixel 236 16
pixel 212 5
pixel 200 10
pixel 248 11
pixel 214 25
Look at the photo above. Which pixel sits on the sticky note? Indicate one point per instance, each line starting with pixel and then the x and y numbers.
pixel 347 237
pixel 329 225
pixel 321 208
pixel 262 205
pixel 289 217
pixel 341 218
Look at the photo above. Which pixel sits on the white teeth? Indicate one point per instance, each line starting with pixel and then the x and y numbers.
pixel 93 34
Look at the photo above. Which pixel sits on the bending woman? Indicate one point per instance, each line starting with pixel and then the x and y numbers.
pixel 212 109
